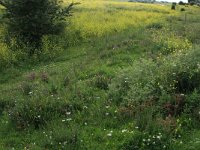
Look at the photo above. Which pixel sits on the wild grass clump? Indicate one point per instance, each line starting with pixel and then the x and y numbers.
pixel 146 141
pixel 13 53
pixel 60 137
pixel 149 80
pixel 160 91
pixel 170 43
pixel 155 25
pixel 36 111
pixel 6 56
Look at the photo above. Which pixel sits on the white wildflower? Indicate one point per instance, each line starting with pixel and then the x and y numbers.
pixel 68 113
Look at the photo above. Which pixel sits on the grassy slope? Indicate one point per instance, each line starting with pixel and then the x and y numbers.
pixel 120 41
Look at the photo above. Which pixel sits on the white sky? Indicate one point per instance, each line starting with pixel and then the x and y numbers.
pixel 174 0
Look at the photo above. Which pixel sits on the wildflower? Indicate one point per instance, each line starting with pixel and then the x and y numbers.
pixel 30 93
pixel 164 146
pixel 124 130
pixel 143 140
pixel 69 119
pixel 107 107
pixel 109 134
pixel 39 116
pixel 65 143
pixel 158 137
pixel 149 140
pixel 63 120
pixel 68 113
pixel 86 123
pixel 181 142
pixel 85 107
pixel 136 127
pixel 107 114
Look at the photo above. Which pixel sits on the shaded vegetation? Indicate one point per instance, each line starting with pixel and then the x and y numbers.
pixel 122 79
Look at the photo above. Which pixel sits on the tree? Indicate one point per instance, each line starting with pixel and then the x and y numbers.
pixel 30 20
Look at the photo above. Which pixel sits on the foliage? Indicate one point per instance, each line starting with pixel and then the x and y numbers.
pixel 30 20
pixel 116 90
pixel 146 81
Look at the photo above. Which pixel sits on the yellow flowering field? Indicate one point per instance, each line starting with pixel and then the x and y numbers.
pixel 99 17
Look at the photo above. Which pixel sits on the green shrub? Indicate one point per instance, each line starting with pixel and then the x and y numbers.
pixel 182 9
pixel 173 7
pixel 29 21
pixel 165 82
pixel 136 83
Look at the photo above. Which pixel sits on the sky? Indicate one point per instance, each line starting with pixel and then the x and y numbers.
pixel 174 0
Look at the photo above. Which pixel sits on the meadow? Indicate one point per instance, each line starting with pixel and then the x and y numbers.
pixel 122 76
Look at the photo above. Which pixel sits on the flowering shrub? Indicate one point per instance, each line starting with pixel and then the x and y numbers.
pixel 165 82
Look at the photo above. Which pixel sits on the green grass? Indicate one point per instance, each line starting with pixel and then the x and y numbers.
pixel 65 102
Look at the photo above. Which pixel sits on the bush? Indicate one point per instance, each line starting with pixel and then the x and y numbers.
pixel 173 7
pixel 137 82
pixel 182 9
pixel 30 20
pixel 164 83
pixel 181 3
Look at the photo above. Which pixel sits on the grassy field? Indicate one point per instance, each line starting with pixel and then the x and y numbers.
pixel 109 82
